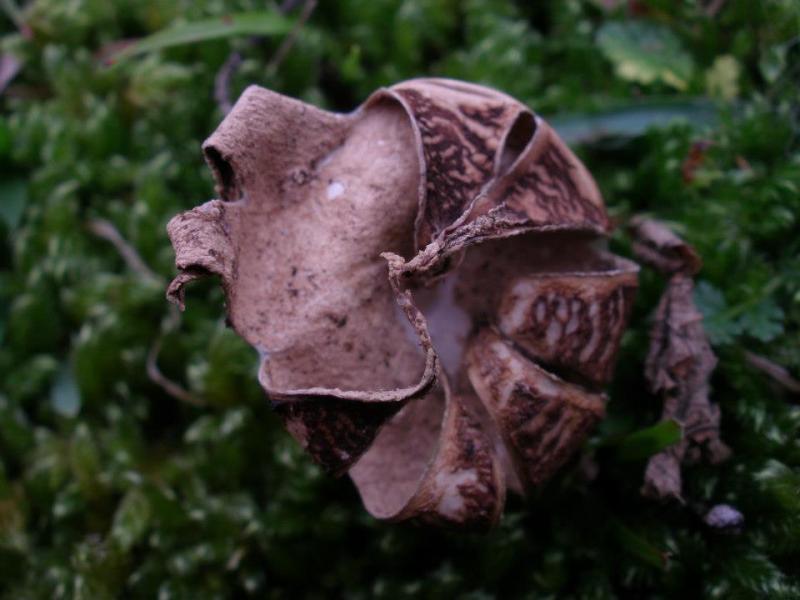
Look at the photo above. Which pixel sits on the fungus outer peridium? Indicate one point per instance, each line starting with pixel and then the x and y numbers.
pixel 472 176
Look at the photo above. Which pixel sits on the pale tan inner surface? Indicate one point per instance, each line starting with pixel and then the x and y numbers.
pixel 470 296
pixel 488 268
pixel 312 293
pixel 389 473
pixel 452 308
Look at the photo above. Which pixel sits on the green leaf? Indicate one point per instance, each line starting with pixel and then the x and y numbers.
pixel 773 62
pixel 764 321
pixel 720 328
pixel 649 441
pixel 16 435
pixel 13 197
pixel 12 11
pixel 632 120
pixel 5 138
pixel 722 79
pixel 646 53
pixel 85 461
pixel 255 23
pixel 34 322
pixel 65 398
pixel 131 519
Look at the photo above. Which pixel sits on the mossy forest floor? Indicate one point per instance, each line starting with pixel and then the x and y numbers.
pixel 111 487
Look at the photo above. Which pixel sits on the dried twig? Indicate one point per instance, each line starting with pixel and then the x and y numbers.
pixel 775 371
pixel 9 67
pixel 154 373
pixel 222 82
pixel 105 229
pixel 291 38
pixel 713 7
pixel 288 6
pixel 14 13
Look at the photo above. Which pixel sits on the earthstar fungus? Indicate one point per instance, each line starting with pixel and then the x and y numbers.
pixel 477 362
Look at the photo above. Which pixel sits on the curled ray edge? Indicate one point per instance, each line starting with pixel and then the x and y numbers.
pixel 499 191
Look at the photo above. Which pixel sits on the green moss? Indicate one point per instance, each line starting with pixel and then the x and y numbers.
pixel 111 488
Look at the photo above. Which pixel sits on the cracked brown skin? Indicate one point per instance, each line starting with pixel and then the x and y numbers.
pixel 441 183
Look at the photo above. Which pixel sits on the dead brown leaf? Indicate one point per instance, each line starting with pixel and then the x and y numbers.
pixel 680 360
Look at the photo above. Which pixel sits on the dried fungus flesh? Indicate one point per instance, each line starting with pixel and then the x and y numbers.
pixel 426 283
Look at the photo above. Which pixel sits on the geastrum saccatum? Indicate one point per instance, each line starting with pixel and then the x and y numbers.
pixel 426 283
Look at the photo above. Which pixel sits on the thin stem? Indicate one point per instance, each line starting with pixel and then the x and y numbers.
pixel 154 373
pixel 105 229
pixel 775 371
pixel 222 82
pixel 291 38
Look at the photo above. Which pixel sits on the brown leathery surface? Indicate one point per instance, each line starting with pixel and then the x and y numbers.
pixel 326 228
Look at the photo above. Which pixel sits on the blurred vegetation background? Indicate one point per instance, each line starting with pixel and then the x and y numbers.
pixel 110 486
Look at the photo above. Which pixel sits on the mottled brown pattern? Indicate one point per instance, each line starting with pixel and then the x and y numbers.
pixel 571 324
pixel 204 246
pixel 542 418
pixel 679 362
pixel 483 503
pixel 430 179
pixel 459 145
pixel 546 192
pixel 335 433
pixel 464 488
pixel 549 436
pixel 678 367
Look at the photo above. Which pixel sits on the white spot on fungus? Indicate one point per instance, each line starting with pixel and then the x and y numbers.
pixel 335 189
